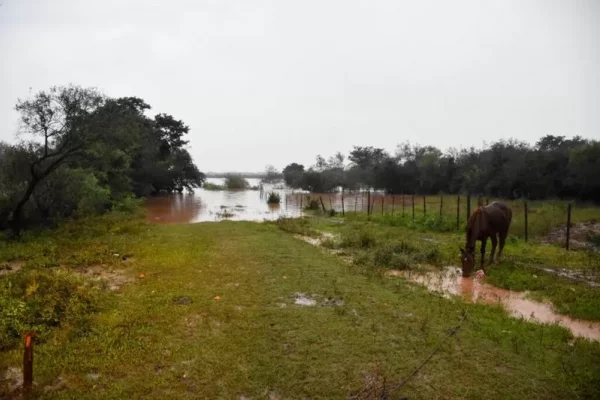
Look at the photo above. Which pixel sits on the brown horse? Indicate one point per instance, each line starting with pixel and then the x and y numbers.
pixel 491 221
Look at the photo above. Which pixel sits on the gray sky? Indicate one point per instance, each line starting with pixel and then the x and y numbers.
pixel 279 81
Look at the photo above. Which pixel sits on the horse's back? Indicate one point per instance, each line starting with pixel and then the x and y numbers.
pixel 500 214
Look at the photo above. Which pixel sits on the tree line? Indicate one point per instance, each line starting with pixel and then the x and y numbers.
pixel 80 152
pixel 554 167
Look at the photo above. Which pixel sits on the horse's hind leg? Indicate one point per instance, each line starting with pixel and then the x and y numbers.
pixel 502 241
pixel 494 243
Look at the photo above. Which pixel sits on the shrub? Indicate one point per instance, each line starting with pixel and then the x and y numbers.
pixel 300 226
pixel 212 186
pixel 312 205
pixel 40 300
pixel 236 182
pixel 273 198
pixel 361 237
pixel 128 204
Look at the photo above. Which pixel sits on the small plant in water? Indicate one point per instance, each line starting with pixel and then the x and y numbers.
pixel 273 198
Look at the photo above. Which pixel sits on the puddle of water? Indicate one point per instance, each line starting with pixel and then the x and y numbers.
pixel 450 282
pixel 304 300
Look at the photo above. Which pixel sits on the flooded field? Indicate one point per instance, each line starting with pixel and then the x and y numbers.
pixel 451 282
pixel 216 205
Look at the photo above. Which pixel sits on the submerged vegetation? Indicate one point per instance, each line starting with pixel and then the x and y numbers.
pixel 236 182
pixel 273 198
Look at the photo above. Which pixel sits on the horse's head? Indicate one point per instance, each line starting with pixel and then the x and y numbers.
pixel 467 259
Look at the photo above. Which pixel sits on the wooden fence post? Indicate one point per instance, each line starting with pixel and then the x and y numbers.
pixel 458 212
pixel 28 361
pixel 322 204
pixel 368 202
pixel 382 201
pixel 301 196
pixel 355 202
pixel 424 206
pixel 413 206
pixel 468 206
pixel 393 202
pixel 526 220
pixel 403 202
pixel 441 205
pixel 330 205
pixel 343 211
pixel 568 225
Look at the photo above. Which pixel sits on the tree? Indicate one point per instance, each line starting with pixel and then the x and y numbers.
pixel 56 122
pixel 292 174
pixel 271 174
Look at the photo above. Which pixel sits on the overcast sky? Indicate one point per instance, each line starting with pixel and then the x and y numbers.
pixel 279 81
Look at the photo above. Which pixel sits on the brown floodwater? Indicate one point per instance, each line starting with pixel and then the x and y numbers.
pixel 217 205
pixel 451 282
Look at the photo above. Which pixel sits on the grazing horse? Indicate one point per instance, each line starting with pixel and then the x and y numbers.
pixel 491 221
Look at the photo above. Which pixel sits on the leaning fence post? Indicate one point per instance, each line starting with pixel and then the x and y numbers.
pixel 568 225
pixel 28 361
pixel 413 206
pixel 526 220
pixel 458 212
pixel 322 204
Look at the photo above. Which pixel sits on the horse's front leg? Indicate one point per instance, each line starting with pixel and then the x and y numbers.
pixel 483 242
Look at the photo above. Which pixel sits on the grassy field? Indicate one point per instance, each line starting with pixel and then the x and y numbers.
pixel 208 311
pixel 544 216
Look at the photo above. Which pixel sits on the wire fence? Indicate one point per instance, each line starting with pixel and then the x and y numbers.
pixel 554 221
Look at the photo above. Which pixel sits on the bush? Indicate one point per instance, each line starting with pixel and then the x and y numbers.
pixel 236 182
pixel 300 226
pixel 312 205
pixel 128 204
pixel 40 300
pixel 212 186
pixel 273 198
pixel 361 237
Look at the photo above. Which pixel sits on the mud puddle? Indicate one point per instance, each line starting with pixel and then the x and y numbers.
pixel 450 282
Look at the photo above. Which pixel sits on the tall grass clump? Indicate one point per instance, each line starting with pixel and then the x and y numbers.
pixel 273 198
pixel 299 226
pixel 360 236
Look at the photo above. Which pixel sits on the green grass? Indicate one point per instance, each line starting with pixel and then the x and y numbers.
pixel 145 341
pixel 544 216
pixel 380 244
